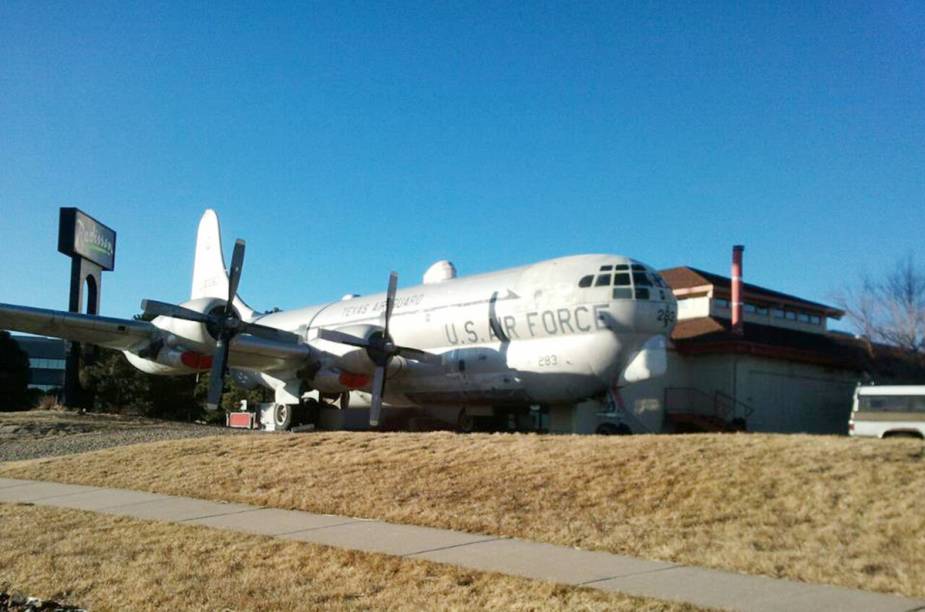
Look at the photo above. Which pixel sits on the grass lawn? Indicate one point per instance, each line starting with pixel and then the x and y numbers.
pixel 102 562
pixel 820 509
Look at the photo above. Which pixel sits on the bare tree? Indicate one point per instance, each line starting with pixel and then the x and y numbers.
pixel 889 310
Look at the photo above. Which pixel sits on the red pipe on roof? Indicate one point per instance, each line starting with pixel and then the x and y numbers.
pixel 737 322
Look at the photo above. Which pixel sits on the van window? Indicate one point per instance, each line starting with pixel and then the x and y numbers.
pixel 883 403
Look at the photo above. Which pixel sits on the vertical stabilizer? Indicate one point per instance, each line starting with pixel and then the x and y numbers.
pixel 210 278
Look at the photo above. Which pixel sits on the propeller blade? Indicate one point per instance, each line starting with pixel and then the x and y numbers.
pixel 217 375
pixel 270 333
pixel 375 407
pixel 154 308
pixel 336 336
pixel 234 276
pixel 390 302
pixel 419 355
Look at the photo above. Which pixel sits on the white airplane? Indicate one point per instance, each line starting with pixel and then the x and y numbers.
pixel 555 332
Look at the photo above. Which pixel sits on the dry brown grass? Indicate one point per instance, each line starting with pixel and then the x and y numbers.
pixel 108 563
pixel 819 509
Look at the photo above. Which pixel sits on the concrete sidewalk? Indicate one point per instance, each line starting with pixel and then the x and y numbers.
pixel 516 557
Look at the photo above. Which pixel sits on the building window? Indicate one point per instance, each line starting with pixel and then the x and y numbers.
pixel 762 310
pixel 721 303
pixel 41 363
pixel 815 319
pixel 803 317
pixel 790 315
pixel 750 308
pixel 777 313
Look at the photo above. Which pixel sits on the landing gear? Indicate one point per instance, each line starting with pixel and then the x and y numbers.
pixel 282 416
pixel 465 423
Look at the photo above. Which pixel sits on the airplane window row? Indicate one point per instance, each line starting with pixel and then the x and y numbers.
pixel 777 313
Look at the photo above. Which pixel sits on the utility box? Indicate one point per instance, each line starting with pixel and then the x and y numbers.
pixel 240 420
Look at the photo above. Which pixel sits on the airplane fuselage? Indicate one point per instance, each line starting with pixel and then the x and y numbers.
pixel 524 335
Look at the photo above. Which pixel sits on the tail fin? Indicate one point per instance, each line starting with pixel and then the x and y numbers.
pixel 210 278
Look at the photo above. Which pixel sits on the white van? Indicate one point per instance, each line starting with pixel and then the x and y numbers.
pixel 886 411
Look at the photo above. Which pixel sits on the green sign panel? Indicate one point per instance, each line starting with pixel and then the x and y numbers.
pixel 82 235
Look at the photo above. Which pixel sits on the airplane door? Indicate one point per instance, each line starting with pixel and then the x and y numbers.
pixel 457 367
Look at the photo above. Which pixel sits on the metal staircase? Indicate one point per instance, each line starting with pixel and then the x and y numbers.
pixel 690 410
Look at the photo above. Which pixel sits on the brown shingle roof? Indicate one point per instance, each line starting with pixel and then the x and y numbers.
pixel 712 335
pixel 685 277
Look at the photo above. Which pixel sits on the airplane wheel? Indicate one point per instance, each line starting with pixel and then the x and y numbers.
pixel 282 416
pixel 465 423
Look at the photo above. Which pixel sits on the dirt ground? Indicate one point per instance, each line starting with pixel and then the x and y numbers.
pixel 32 434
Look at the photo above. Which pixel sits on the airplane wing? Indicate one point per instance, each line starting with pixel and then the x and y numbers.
pixel 130 335
pixel 120 334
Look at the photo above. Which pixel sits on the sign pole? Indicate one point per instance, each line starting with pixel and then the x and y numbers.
pixel 92 249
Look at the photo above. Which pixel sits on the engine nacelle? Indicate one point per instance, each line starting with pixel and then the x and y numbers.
pixel 190 333
pixel 171 362
pixel 352 358
pixel 335 380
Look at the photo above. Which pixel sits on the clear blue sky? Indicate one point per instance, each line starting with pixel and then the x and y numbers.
pixel 343 140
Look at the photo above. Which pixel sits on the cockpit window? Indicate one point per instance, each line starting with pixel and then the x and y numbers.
pixel 622 293
pixel 629 282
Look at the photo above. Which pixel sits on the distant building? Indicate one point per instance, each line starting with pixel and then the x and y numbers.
pixel 46 361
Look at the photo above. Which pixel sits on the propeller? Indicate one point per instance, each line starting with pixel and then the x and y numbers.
pixel 381 350
pixel 223 323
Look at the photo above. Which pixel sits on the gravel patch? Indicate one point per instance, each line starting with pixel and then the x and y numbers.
pixel 17 602
pixel 49 435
